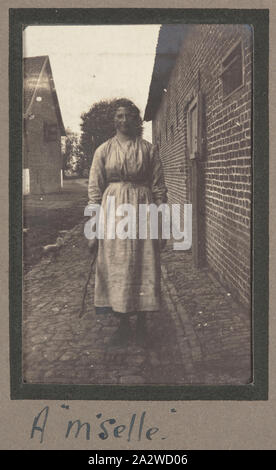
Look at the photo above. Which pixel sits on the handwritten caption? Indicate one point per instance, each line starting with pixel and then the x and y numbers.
pixel 136 427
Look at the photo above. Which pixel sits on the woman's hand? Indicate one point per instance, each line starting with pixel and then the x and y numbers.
pixel 93 244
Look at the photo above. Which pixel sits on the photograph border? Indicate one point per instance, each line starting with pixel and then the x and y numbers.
pixel 259 20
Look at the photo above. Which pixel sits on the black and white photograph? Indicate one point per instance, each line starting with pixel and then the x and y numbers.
pixel 137 204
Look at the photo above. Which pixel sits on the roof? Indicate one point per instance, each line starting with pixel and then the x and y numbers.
pixel 33 71
pixel 170 39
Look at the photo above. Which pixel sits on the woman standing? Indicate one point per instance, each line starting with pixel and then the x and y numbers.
pixel 128 168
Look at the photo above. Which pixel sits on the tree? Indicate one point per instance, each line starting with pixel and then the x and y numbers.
pixel 71 152
pixel 96 128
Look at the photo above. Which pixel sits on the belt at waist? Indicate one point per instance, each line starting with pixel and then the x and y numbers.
pixel 129 181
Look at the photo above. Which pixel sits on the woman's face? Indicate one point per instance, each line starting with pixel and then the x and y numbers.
pixel 124 120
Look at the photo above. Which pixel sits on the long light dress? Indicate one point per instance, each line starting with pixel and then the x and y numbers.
pixel 127 270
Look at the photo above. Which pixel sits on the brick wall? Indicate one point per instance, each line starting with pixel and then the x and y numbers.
pixel 226 159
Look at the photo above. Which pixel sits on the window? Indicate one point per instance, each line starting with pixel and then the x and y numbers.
pixel 196 127
pixel 232 70
pixel 50 132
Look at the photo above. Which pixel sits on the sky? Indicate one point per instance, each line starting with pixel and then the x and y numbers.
pixel 92 63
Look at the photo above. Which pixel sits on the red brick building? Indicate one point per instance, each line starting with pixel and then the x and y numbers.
pixel 43 128
pixel 200 103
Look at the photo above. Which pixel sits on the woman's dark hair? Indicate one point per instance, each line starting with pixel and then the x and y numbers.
pixel 137 120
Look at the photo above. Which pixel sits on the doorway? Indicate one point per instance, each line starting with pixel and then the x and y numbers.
pixel 196 186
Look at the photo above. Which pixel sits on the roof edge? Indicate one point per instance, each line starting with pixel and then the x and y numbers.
pixel 169 42
pixel 47 63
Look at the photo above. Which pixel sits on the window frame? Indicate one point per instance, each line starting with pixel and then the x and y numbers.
pixel 197 99
pixel 224 69
pixel 193 104
pixel 46 133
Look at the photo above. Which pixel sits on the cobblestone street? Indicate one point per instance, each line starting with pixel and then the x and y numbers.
pixel 201 335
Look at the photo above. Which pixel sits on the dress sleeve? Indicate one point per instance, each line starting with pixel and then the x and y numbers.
pixel 158 187
pixel 97 177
